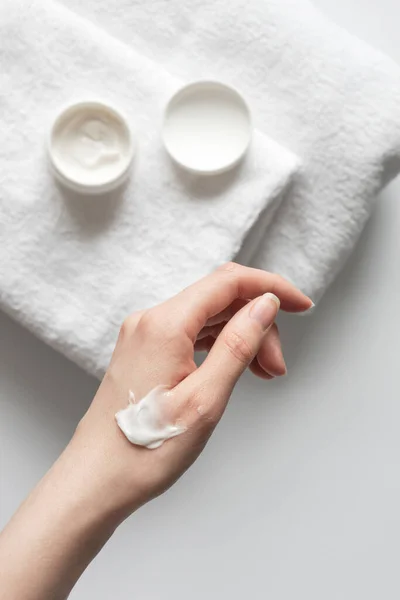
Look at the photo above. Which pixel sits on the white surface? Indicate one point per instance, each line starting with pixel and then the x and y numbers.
pixel 305 505
pixel 207 127
pixel 91 147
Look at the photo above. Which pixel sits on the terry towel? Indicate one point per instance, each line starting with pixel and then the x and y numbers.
pixel 320 92
pixel 72 268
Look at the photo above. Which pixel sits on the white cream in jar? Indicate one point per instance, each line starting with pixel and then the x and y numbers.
pixel 91 147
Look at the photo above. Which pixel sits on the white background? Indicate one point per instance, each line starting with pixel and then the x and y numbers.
pixel 298 493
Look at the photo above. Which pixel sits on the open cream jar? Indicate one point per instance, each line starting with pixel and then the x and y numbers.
pixel 90 147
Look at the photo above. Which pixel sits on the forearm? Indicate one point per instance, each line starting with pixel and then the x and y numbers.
pixel 55 534
pixel 101 478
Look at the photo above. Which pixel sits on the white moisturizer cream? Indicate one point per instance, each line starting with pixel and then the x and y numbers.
pixel 90 147
pixel 146 423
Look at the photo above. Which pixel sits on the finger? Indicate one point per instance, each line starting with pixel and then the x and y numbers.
pixel 205 344
pixel 270 356
pixel 258 371
pixel 214 293
pixel 228 313
pixel 233 351
pixel 213 330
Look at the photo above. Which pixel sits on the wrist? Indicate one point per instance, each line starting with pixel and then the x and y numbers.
pixel 78 492
pixel 99 467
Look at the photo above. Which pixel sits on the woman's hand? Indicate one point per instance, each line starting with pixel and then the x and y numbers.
pixel 227 313
pixel 101 477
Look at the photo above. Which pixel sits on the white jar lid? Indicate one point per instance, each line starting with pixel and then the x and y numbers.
pixel 207 127
pixel 90 147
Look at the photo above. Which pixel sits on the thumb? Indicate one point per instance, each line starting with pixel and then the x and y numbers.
pixel 234 349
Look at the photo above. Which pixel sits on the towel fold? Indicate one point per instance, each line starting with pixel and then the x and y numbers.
pixel 72 267
pixel 330 98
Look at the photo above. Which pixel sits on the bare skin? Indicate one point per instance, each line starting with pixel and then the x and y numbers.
pixel 100 478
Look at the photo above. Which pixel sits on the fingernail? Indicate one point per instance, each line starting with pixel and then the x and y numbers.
pixel 282 373
pixel 265 309
pixel 278 372
pixel 308 310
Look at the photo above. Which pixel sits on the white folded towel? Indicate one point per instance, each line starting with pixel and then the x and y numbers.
pixel 72 268
pixel 317 90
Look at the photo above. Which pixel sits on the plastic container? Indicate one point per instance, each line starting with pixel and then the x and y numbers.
pixel 90 147
pixel 207 127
